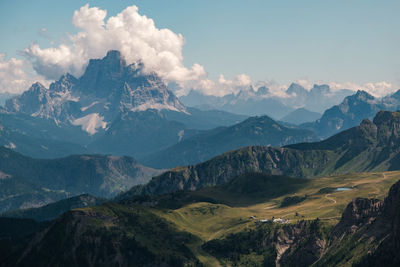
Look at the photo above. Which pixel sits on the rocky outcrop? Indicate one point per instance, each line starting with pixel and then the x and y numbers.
pixel 358 213
pixel 304 241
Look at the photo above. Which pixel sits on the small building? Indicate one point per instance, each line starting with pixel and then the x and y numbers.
pixel 280 220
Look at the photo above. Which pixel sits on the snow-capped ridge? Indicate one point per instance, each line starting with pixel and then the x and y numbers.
pixel 90 123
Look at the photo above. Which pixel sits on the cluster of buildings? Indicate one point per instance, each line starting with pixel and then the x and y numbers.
pixel 277 220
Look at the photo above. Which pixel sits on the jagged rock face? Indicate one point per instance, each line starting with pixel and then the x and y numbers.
pixel 108 86
pixel 56 103
pixel 388 124
pixel 306 244
pixel 36 96
pixel 391 211
pixel 358 213
pixel 367 234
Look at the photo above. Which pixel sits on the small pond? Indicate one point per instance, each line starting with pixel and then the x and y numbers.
pixel 344 188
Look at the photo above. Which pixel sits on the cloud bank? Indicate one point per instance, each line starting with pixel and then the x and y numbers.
pixel 14 77
pixel 135 35
pixel 377 89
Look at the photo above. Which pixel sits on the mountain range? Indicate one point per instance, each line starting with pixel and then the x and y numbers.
pixel 351 112
pixel 253 131
pixel 116 108
pixel 372 146
pixel 262 101
pixel 112 108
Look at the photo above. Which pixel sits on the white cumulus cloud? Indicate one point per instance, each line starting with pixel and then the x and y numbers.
pixel 220 87
pixel 135 35
pixel 14 77
pixel 378 89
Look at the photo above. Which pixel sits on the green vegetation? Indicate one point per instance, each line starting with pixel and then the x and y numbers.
pixel 226 212
pixel 222 225
pixel 108 235
pixel 292 200
pixel 245 248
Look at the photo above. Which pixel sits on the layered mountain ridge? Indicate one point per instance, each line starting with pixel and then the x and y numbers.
pixel 372 146
pixel 253 131
pixel 262 101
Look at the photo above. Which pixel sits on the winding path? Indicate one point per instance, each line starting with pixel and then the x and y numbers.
pixel 329 198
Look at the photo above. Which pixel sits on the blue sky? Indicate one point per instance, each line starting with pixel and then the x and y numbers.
pixel 338 41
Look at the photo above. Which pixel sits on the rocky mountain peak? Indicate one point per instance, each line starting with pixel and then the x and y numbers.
pixel 388 124
pixel 107 87
pixel 296 88
pixel 362 95
pixel 396 95
pixel 37 86
pixel 263 90
pixel 65 83
pixel 103 75
pixel 36 95
pixel 322 88
pixel 114 56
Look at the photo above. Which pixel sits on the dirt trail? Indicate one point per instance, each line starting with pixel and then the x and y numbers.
pixel 329 198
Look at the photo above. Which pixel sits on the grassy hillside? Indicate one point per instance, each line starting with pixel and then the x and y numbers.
pixel 225 212
pixel 108 235
pixel 199 227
